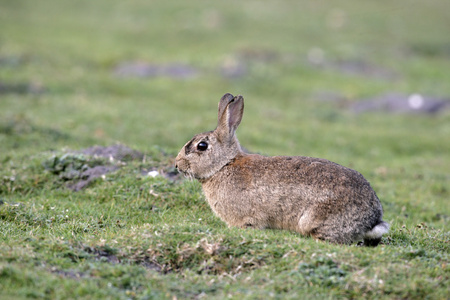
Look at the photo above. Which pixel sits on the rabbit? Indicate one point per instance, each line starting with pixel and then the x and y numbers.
pixel 312 196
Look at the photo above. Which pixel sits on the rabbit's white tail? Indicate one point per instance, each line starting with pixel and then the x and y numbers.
pixel 377 231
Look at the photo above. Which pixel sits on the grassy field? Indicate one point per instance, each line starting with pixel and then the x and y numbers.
pixel 71 78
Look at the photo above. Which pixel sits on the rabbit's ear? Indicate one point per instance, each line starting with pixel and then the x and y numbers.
pixel 231 110
pixel 223 104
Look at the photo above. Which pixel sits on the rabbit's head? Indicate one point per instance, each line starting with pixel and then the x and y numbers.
pixel 207 153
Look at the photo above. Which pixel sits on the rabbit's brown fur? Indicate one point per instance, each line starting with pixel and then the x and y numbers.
pixel 309 195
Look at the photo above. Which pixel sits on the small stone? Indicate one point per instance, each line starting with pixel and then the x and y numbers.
pixel 153 173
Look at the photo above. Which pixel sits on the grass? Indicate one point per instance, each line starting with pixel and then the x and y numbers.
pixel 132 236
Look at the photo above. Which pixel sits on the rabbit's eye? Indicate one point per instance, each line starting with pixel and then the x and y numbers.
pixel 202 146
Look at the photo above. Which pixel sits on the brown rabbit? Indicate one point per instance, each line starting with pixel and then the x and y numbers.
pixel 312 196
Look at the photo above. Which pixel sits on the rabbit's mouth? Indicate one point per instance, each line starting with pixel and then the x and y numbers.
pixel 184 168
pixel 184 172
pixel 187 174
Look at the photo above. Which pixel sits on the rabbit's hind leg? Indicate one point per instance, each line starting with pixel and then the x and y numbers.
pixel 324 234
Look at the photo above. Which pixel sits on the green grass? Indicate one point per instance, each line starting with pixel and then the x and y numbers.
pixel 131 236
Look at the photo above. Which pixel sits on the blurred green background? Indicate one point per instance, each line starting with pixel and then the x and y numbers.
pixel 288 59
